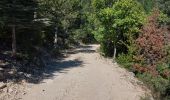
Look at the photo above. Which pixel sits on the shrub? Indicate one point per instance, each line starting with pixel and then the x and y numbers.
pixel 125 60
pixel 151 42
pixel 151 59
pixel 158 85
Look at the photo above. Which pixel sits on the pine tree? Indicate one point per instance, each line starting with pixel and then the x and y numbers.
pixel 17 14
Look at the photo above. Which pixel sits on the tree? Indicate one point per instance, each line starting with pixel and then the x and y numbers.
pixel 60 15
pixel 120 24
pixel 148 5
pixel 17 14
pixel 84 25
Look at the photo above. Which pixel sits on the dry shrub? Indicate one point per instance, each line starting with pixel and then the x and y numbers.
pixel 151 46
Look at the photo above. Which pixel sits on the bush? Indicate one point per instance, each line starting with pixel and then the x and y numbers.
pixel 125 60
pixel 150 59
pixel 151 42
pixel 158 85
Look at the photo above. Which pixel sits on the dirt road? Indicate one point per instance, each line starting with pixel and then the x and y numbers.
pixel 85 75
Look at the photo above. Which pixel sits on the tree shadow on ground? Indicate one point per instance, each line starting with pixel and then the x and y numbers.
pixel 82 49
pixel 11 70
pixel 49 71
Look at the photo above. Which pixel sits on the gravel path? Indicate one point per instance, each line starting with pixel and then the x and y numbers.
pixel 87 76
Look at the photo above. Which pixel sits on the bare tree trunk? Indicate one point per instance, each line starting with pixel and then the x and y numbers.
pixel 115 51
pixel 55 38
pixel 14 49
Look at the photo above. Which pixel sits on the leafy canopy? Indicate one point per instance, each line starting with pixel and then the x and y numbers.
pixel 119 22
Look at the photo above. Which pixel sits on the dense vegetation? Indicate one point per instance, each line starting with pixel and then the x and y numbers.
pixel 34 31
pixel 134 32
pixel 137 37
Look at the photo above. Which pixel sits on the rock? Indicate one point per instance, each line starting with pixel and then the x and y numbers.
pixel 23 81
pixel 132 74
pixel 9 83
pixel 24 93
pixel 9 90
pixel 5 90
pixel 2 85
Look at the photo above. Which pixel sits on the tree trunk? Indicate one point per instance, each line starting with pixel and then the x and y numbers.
pixel 14 50
pixel 115 51
pixel 55 38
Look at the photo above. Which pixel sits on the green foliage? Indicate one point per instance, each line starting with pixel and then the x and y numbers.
pixel 38 21
pixel 129 20
pixel 17 12
pixel 164 6
pixel 148 56
pixel 84 36
pixel 62 15
pixel 119 24
pixel 101 4
pixel 163 19
pixel 162 67
pixel 99 34
pixel 148 5
pixel 157 84
pixel 83 32
pixel 20 14
pixel 115 24
pixel 125 60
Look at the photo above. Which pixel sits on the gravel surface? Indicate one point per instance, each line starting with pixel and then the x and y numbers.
pixel 85 75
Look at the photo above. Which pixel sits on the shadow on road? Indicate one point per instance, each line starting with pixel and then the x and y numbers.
pixel 12 71
pixel 55 66
pixel 82 49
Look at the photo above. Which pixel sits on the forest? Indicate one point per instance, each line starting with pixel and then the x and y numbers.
pixel 133 33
